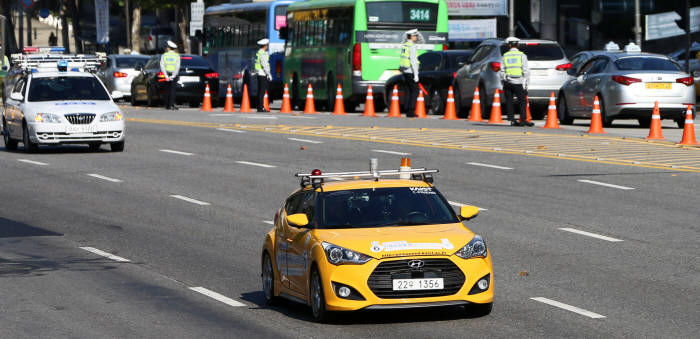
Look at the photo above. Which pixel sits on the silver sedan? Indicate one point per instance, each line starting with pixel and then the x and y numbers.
pixel 118 72
pixel 627 85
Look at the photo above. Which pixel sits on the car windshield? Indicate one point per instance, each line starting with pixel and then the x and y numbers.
pixel 66 88
pixel 130 62
pixel 384 207
pixel 193 61
pixel 646 64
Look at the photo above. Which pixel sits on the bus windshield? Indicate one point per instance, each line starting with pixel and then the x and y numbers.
pixel 414 14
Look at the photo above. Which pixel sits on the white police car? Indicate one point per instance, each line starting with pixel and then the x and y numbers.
pixel 58 100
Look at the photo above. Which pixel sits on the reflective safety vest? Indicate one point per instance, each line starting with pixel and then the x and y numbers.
pixel 170 61
pixel 258 60
pixel 513 63
pixel 406 54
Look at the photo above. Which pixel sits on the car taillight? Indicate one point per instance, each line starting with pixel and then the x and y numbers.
pixel 357 58
pixel 119 75
pixel 212 75
pixel 238 76
pixel 161 75
pixel 150 38
pixel 495 66
pixel 454 75
pixel 445 47
pixel 621 79
pixel 688 81
pixel 563 67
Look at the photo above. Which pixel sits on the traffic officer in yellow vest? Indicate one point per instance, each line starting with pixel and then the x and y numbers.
pixel 4 65
pixel 170 66
pixel 262 70
pixel 408 65
pixel 515 75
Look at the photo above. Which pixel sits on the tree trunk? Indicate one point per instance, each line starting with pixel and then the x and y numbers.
pixel 11 42
pixel 184 32
pixel 75 15
pixel 64 23
pixel 127 16
pixel 136 29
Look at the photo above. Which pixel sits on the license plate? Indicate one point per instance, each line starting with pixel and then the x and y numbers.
pixel 75 129
pixel 540 72
pixel 418 284
pixel 658 85
pixel 186 78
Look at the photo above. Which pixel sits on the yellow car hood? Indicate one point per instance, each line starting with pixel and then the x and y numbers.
pixel 385 242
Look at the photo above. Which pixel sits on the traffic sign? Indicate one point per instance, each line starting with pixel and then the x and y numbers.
pixel 27 3
pixel 44 13
pixel 196 17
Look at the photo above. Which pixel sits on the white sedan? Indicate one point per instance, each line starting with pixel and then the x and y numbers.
pixel 50 108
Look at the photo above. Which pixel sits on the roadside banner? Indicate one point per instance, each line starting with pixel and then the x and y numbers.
pixel 472 30
pixel 196 17
pixel 662 25
pixel 477 7
pixel 102 21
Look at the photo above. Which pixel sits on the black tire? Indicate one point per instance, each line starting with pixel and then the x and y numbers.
pixel 268 280
pixel 644 122
pixel 379 104
pixel 436 104
pixel 194 104
pixel 607 122
pixel 29 146
pixel 94 146
pixel 680 122
pixel 563 110
pixel 462 110
pixel 331 93
pixel 133 100
pixel 479 310
pixel 149 100
pixel 295 100
pixel 10 144
pixel 318 301
pixel 117 146
pixel 350 106
pixel 484 101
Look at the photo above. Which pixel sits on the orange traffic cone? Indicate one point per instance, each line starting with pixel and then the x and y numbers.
pixel 528 116
pixel 496 117
pixel 420 106
pixel 475 113
pixel 266 102
pixel 339 108
pixel 552 118
pixel 655 126
pixel 689 129
pixel 369 103
pixel 596 119
pixel 206 102
pixel 450 111
pixel 228 106
pixel 394 109
pixel 286 103
pixel 309 108
pixel 245 102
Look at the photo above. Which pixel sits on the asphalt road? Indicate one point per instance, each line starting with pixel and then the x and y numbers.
pixel 163 240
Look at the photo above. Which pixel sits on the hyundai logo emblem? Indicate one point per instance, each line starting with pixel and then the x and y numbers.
pixel 416 264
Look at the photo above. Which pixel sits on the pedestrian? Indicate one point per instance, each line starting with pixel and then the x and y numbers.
pixel 170 66
pixel 515 75
pixel 53 40
pixel 4 65
pixel 262 70
pixel 408 65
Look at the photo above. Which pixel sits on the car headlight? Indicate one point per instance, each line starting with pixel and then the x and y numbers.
pixel 338 255
pixel 47 117
pixel 474 249
pixel 111 116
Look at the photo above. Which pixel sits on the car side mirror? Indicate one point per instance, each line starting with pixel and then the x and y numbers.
pixel 284 33
pixel 468 212
pixel 117 95
pixel 17 96
pixel 138 68
pixel 298 220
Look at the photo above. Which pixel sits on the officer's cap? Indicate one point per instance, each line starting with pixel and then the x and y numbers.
pixel 263 42
pixel 512 40
pixel 412 32
pixel 171 44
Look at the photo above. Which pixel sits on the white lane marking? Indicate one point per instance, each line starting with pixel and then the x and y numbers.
pixel 218 297
pixel 105 254
pixel 104 177
pixel 459 204
pixel 247 116
pixel 176 152
pixel 306 140
pixel 593 235
pixel 569 308
pixel 33 162
pixel 605 184
pixel 390 152
pixel 255 164
pixel 488 165
pixel 194 201
pixel 297 117
pixel 269 222
pixel 230 130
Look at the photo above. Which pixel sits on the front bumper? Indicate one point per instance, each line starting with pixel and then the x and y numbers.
pixel 54 134
pixel 358 276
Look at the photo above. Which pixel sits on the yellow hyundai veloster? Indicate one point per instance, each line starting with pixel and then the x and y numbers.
pixel 375 243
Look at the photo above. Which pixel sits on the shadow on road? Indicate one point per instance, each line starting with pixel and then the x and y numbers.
pixel 11 229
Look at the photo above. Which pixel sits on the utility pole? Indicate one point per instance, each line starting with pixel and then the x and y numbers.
pixel 29 27
pixel 637 24
pixel 687 36
pixel 128 24
pixel 511 18
pixel 20 9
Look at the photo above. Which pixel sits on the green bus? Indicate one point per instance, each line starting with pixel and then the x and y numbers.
pixel 355 43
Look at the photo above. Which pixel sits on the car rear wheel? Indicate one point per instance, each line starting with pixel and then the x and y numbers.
pixel 94 146
pixel 318 301
pixel 607 122
pixel 680 122
pixel 484 101
pixel 268 280
pixel 462 110
pixel 117 146
pixel 563 109
pixel 331 94
pixel 437 103
pixel 10 144
pixel 479 310
pixel 29 146
pixel 149 99
pixel 644 122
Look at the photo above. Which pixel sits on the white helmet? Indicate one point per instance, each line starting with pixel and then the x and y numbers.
pixel 512 40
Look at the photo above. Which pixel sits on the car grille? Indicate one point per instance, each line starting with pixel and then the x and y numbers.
pixel 381 280
pixel 80 118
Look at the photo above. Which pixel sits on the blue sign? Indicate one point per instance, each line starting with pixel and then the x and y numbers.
pixel 27 3
pixel 44 13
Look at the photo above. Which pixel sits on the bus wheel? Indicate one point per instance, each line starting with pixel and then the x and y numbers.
pixel 296 103
pixel 350 106
pixel 331 93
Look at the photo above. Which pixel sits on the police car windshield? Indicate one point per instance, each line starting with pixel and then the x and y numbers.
pixel 66 88
pixel 384 207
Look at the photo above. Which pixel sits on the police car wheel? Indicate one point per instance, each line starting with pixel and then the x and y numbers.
pixel 94 146
pixel 29 146
pixel 10 144
pixel 318 301
pixel 117 146
pixel 268 280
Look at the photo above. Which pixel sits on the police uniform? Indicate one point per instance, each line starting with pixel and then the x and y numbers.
pixel 408 65
pixel 515 74
pixel 262 70
pixel 170 66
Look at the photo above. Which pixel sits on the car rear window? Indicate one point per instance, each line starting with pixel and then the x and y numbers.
pixel 645 64
pixel 66 88
pixel 130 62
pixel 538 52
pixel 193 61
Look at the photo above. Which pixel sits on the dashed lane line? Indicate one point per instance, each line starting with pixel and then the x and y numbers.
pixel 216 296
pixel 105 254
pixel 230 130
pixel 569 307
pixel 390 152
pixel 269 222
pixel 256 164
pixel 190 200
pixel 490 166
pixel 39 163
pixel 306 140
pixel 176 152
pixel 605 184
pixel 98 176
pixel 589 234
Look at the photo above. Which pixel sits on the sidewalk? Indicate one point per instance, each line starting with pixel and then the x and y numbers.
pixel 42 30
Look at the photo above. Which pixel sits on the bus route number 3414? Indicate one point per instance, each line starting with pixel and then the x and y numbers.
pixel 419 14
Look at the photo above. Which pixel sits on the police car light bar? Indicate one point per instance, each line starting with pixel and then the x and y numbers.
pixel 60 62
pixel 45 50
pixel 367 174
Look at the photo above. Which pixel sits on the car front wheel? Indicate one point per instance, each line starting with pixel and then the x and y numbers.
pixel 268 280
pixel 318 301
pixel 117 146
pixel 29 146
pixel 564 117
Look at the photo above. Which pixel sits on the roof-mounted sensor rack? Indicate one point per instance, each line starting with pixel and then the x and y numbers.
pixel 315 178
pixel 58 62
